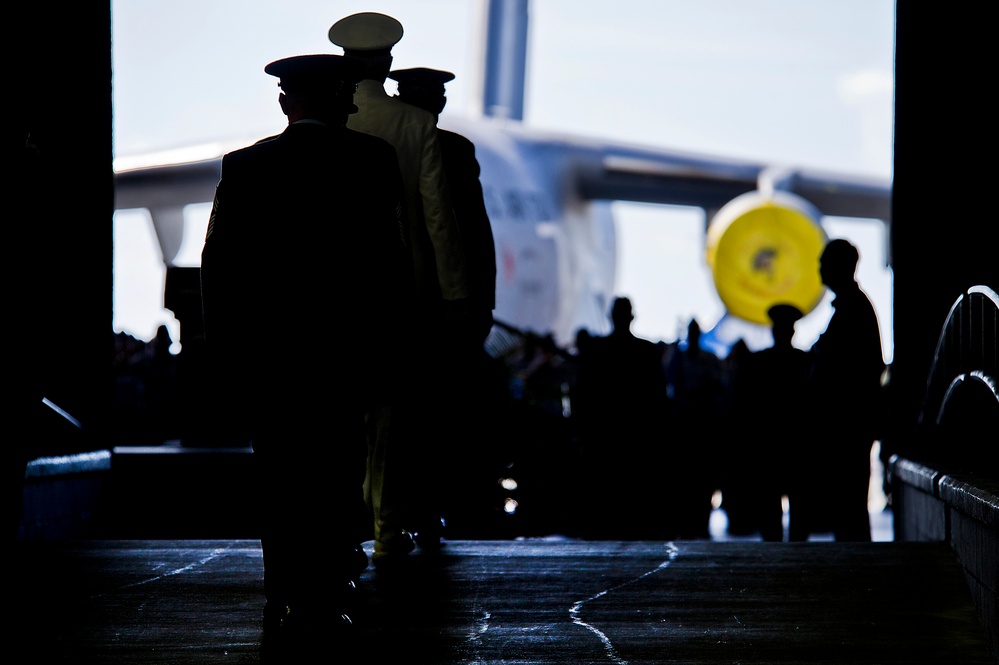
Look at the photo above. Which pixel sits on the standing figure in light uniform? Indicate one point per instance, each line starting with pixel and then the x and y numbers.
pixel 440 298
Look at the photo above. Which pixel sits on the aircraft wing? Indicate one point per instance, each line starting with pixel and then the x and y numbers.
pixel 599 170
pixel 618 171
pixel 167 185
pixel 710 183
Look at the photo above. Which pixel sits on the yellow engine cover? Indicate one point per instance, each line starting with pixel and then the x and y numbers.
pixel 764 250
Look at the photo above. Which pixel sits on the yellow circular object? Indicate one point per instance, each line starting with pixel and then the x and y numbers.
pixel 764 250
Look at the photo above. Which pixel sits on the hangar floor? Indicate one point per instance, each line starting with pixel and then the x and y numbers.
pixel 548 600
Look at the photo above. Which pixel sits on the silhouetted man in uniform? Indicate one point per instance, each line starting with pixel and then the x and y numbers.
pixel 772 405
pixel 424 88
pixel 847 364
pixel 694 383
pixel 439 268
pixel 621 415
pixel 462 353
pixel 305 238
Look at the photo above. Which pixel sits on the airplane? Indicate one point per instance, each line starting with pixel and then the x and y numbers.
pixel 549 199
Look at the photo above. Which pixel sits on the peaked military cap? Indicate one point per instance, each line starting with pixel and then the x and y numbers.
pixel 303 73
pixel 784 313
pixel 422 87
pixel 421 76
pixel 366 32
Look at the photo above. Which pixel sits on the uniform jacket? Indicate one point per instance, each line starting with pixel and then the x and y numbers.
pixel 306 275
pixel 847 364
pixel 438 257
pixel 462 170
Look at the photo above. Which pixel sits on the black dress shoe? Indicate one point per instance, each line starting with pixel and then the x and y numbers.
pixel 349 599
pixel 358 562
pixel 394 549
pixel 430 540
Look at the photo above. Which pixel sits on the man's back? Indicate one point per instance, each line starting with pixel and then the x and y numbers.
pixel 303 258
pixel 847 361
pixel 438 257
pixel 463 170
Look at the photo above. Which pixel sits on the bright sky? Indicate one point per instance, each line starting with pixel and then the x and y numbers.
pixel 795 83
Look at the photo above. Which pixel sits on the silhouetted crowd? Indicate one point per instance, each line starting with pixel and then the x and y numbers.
pixel 617 437
pixel 145 405
pixel 612 436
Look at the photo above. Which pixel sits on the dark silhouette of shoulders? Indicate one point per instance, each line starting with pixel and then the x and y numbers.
pixel 462 171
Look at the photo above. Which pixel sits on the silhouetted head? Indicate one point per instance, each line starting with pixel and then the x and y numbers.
pixel 838 263
pixel 368 37
pixel 422 87
pixel 738 351
pixel 621 313
pixel 317 86
pixel 694 330
pixel 161 342
pixel 783 316
pixel 693 336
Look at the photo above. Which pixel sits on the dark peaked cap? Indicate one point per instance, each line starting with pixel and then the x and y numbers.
pixel 784 313
pixel 422 87
pixel 366 32
pixel 314 73
pixel 422 76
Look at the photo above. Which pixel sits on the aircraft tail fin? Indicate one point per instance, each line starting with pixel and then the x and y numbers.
pixel 505 61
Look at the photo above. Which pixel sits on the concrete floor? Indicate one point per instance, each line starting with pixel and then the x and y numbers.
pixel 538 601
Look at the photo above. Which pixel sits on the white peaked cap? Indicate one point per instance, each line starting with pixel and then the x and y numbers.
pixel 366 31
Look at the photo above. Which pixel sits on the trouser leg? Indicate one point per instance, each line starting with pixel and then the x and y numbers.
pixel 386 473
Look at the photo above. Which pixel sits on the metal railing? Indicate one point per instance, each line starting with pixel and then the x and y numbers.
pixel 960 409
